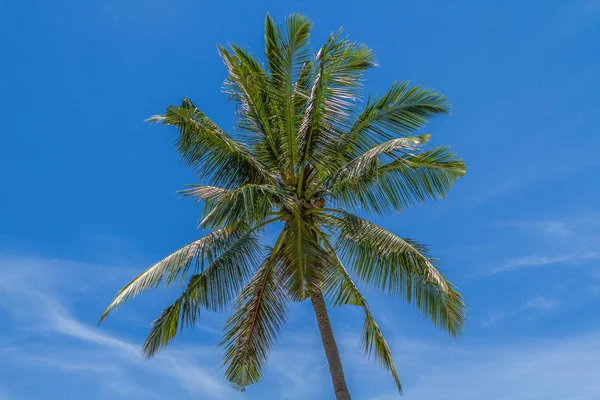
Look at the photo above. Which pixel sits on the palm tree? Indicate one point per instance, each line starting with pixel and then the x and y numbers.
pixel 303 157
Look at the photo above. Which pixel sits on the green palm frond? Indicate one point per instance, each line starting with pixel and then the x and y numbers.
pixel 339 71
pixel 401 111
pixel 287 50
pixel 367 163
pixel 175 266
pixel 340 287
pixel 250 203
pixel 253 328
pixel 401 268
pixel 248 85
pixel 440 160
pixel 211 289
pixel 302 258
pixel 184 312
pixel 215 155
pixel 407 179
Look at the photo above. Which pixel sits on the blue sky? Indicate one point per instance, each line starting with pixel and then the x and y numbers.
pixel 88 197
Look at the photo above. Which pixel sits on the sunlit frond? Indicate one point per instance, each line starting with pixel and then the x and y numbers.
pixel 253 328
pixel 382 186
pixel 401 111
pixel 401 268
pixel 248 85
pixel 340 287
pixel 249 203
pixel 287 50
pixel 215 156
pixel 184 312
pixel 212 289
pixel 366 164
pixel 174 267
pixel 339 69
pixel 302 258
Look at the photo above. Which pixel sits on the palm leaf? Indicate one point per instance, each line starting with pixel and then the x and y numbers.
pixel 409 179
pixel 212 289
pixel 401 268
pixel 252 330
pixel 401 111
pixel 215 155
pixel 339 71
pixel 366 164
pixel 184 312
pixel 287 53
pixel 250 203
pixel 340 287
pixel 247 84
pixel 177 264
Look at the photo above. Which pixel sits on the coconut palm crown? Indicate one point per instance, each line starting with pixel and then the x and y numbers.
pixel 305 155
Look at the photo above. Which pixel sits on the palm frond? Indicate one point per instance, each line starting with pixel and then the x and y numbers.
pixel 252 330
pixel 440 158
pixel 302 258
pixel 175 266
pixel 247 84
pixel 340 287
pixel 214 155
pixel 250 203
pixel 401 111
pixel 339 70
pixel 224 251
pixel 212 289
pixel 184 312
pixel 367 163
pixel 287 50
pixel 375 185
pixel 401 268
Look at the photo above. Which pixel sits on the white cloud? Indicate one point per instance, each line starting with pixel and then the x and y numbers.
pixel 38 295
pixel 556 228
pixel 573 240
pixel 474 368
pixel 544 369
pixel 539 260
pixel 536 303
pixel 28 298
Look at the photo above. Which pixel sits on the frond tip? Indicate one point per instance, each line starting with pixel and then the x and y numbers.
pixel 253 328
pixel 342 290
pixel 401 268
pixel 225 256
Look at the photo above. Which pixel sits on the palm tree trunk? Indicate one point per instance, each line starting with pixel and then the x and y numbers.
pixel 331 350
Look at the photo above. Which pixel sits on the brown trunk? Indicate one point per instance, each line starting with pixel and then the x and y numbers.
pixel 331 350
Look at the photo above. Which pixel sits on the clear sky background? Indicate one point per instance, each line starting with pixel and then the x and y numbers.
pixel 87 197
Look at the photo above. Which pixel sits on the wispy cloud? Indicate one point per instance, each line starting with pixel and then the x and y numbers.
pixel 523 175
pixel 571 226
pixel 108 356
pixel 64 345
pixel 536 303
pixel 539 260
pixel 39 297
pixel 544 369
pixel 549 227
pixel 569 241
